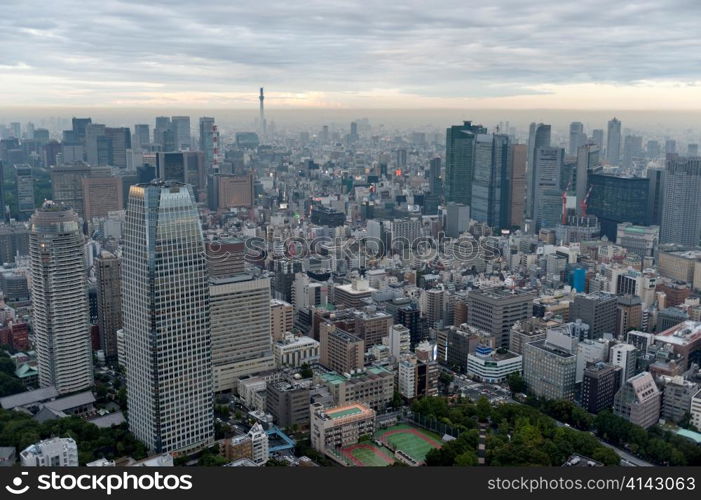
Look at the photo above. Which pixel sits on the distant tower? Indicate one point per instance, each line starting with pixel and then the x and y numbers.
pixel 261 98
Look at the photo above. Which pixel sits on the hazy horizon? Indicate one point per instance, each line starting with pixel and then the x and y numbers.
pixel 658 123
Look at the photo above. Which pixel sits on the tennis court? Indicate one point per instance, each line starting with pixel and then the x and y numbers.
pixel 414 442
pixel 367 455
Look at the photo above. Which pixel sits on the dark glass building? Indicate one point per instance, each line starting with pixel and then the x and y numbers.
pixel 460 161
pixel 618 199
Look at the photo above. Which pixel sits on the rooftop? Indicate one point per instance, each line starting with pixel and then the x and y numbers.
pixel 28 398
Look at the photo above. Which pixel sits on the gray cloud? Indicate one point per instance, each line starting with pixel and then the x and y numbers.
pixel 432 49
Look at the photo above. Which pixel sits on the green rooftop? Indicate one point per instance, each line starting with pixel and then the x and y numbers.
pixel 344 413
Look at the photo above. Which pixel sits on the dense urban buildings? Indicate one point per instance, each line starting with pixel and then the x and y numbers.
pixel 245 290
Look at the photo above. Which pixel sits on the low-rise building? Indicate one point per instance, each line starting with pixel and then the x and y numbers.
pixel 334 428
pixel 54 452
pixel 373 386
pixel 489 365
pixel 639 400
pixel 288 402
pixel 676 398
pixel 417 378
pixel 293 351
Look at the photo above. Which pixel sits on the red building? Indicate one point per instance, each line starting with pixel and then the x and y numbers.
pixel 19 340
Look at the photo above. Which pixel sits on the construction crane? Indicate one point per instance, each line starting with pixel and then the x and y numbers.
pixel 564 202
pixel 583 203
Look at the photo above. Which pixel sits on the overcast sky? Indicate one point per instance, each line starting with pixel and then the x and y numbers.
pixel 365 54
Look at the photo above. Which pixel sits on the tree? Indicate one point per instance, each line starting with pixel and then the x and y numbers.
pixel 483 409
pixel 517 383
pixel 9 385
pixel 466 459
pixel 397 400
pixel 306 371
pixel 7 366
pixel 606 456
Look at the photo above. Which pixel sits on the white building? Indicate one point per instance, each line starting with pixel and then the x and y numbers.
pixel 295 351
pixel 54 452
pixel 696 410
pixel 60 318
pixel 624 355
pixel 252 391
pixel 406 374
pixel 590 351
pixel 399 341
pixel 259 444
pixel 487 365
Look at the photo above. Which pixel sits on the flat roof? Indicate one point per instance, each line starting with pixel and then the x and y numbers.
pixel 73 401
pixel 344 412
pixel 109 420
pixel 28 397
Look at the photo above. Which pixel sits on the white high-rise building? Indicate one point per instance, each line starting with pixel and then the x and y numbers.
pixel 61 320
pixel 399 341
pixel 168 347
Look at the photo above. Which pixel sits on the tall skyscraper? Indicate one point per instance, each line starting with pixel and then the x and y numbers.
pixel 97 147
pixel 547 167
pixel 681 215
pixel 538 137
pixel 435 188
pixel 60 299
pixel 166 302
pixel 597 137
pixel 184 166
pixel 142 136
pixel 491 186
pixel 109 302
pixel 460 160
pixel 587 159
pixel 577 137
pixel 632 149
pixel 79 127
pixel 181 129
pixel 613 141
pixel 207 141
pixel 160 132
pixel 3 211
pixel 24 190
pixel 353 132
pixel 119 142
pixel 519 157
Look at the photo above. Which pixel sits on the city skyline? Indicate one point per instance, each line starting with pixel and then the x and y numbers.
pixel 343 56
pixel 351 234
